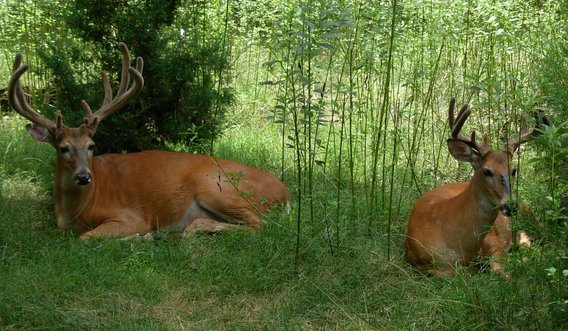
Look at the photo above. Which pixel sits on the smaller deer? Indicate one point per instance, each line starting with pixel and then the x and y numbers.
pixel 455 223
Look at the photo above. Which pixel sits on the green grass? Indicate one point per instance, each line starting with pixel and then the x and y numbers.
pixel 344 271
pixel 240 280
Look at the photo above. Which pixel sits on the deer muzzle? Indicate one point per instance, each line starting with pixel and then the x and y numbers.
pixel 509 208
pixel 83 178
pixel 509 205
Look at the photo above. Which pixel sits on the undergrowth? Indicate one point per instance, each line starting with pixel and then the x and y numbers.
pixel 241 280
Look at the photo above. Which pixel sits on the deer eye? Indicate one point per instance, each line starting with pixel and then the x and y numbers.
pixel 487 172
pixel 64 150
pixel 91 147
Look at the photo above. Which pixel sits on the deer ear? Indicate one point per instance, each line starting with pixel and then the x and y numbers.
pixel 40 133
pixel 463 152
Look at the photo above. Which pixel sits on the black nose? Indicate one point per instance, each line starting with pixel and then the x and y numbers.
pixel 83 178
pixel 509 209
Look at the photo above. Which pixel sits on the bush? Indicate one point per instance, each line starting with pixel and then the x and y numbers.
pixel 183 99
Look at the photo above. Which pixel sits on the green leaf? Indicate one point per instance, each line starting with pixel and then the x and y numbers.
pixel 331 35
pixel 270 63
pixel 551 271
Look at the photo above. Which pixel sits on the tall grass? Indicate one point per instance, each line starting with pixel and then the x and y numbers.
pixel 348 104
pixel 360 93
pixel 238 280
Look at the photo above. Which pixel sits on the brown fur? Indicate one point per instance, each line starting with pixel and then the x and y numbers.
pixel 453 224
pixel 119 195
pixel 450 224
pixel 153 190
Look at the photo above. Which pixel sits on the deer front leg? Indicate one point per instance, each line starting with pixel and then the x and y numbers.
pixel 114 229
pixel 494 246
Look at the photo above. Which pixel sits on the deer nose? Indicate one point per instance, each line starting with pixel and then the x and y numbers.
pixel 509 209
pixel 83 178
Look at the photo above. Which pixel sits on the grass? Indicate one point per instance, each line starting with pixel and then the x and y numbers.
pixel 235 281
pixel 344 271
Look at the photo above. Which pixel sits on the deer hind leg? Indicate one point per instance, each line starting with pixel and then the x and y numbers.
pixel 213 218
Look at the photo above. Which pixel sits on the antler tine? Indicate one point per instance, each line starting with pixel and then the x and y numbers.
pixel 124 79
pixel 524 135
pixel 17 98
pixel 86 109
pixel 451 112
pixel 107 88
pixel 139 64
pixel 460 120
pixel 457 123
pixel 124 94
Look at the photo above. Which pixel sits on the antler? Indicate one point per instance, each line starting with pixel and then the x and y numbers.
pixel 524 135
pixel 457 123
pixel 17 98
pixel 124 94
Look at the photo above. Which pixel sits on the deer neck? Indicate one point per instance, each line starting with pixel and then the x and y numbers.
pixel 71 199
pixel 478 209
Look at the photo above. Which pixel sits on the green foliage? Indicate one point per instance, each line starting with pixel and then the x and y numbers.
pixel 240 280
pixel 553 163
pixel 69 91
pixel 356 93
pixel 553 76
pixel 184 96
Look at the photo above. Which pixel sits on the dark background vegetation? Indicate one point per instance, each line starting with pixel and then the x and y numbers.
pixel 185 94
pixel 347 102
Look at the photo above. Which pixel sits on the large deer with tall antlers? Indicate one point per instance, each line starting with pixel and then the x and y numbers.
pixel 457 222
pixel 118 195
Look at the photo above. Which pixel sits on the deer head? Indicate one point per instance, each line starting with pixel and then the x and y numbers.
pixel 494 170
pixel 75 146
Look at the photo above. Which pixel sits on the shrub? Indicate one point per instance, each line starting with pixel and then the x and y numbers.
pixel 184 96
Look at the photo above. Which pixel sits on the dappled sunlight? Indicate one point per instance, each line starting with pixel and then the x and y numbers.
pixel 345 103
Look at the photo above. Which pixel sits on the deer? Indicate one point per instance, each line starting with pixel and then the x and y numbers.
pixel 456 223
pixel 130 194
